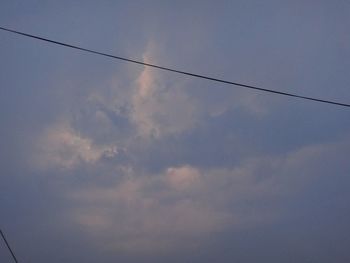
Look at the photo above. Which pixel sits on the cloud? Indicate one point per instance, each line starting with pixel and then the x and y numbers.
pixel 184 205
pixel 147 213
pixel 61 146
pixel 160 108
pixel 178 204
pixel 182 177
pixel 103 118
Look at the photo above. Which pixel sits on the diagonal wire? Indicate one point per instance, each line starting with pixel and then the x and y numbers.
pixel 8 246
pixel 176 70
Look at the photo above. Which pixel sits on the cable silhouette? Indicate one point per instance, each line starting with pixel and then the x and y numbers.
pixel 176 70
pixel 8 246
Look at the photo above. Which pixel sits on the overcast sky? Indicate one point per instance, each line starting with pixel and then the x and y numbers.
pixel 104 161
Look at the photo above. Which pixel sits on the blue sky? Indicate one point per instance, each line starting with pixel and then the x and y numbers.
pixel 103 161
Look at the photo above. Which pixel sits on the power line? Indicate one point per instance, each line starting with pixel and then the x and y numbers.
pixel 175 70
pixel 8 246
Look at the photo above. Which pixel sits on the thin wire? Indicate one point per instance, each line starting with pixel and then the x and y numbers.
pixel 175 70
pixel 8 246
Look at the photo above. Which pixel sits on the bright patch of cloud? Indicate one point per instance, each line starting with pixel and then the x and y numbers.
pixel 185 204
pixel 160 108
pixel 182 177
pixel 63 147
pixel 145 213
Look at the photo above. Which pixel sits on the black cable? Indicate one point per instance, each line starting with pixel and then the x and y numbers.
pixel 177 71
pixel 8 246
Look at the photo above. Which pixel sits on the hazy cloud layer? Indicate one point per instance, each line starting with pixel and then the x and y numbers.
pixel 184 206
pixel 104 161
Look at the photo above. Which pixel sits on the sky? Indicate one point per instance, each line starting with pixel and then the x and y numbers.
pixel 105 161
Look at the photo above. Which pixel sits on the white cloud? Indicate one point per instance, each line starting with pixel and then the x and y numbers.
pixel 147 213
pixel 160 108
pixel 182 178
pixel 62 147
pixel 183 205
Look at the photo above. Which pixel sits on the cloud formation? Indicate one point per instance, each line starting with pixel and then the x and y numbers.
pixel 60 146
pixel 161 108
pixel 183 205
pixel 131 164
